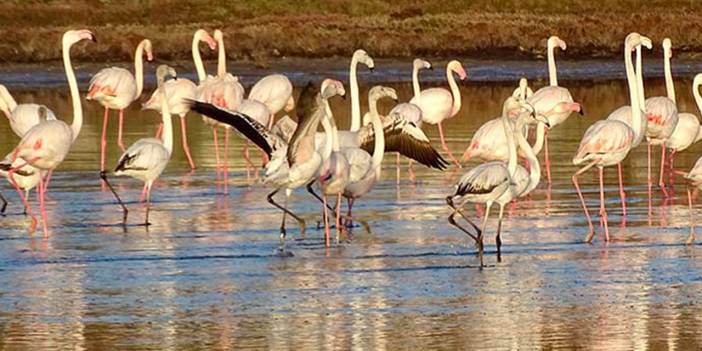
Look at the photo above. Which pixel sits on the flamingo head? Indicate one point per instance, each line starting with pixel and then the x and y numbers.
pixel 164 71
pixel 148 49
pixel 73 36
pixel 202 35
pixel 554 41
pixel 667 48
pixel 218 35
pixel 362 56
pixel 635 39
pixel 377 92
pixel 455 66
pixel 421 64
pixel 332 87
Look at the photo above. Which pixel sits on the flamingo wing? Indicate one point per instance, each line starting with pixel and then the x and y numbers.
pixel 482 179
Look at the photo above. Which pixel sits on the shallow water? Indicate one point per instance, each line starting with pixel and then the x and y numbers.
pixel 206 273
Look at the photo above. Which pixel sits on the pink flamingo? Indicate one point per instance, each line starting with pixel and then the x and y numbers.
pixel 46 145
pixel 178 90
pixel 22 117
pixel 607 142
pixel 553 101
pixel 439 104
pixel 662 116
pixel 115 88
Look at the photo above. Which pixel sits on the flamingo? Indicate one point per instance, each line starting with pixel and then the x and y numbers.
pixel 607 142
pixel 439 104
pixel 27 178
pixel 223 90
pixel 694 178
pixel 498 181
pixel 116 88
pixel 359 56
pixel 147 157
pixel 687 131
pixel 292 164
pixel 553 101
pixel 662 116
pixel 408 111
pixel 276 92
pixel 22 117
pixel 178 90
pixel 46 144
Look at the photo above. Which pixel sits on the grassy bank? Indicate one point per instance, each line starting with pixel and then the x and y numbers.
pixel 261 30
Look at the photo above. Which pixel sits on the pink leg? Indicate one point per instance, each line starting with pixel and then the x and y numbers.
pixel 650 186
pixel 326 222
pixel 446 148
pixel 103 141
pixel 11 176
pixel 582 199
pixel 397 168
pixel 691 237
pixel 184 138
pixel 42 206
pixel 216 147
pixel 661 183
pixel 546 156
pixel 142 198
pixel 120 143
pixel 247 160
pixel 671 167
pixel 622 194
pixel 48 178
pixel 159 131
pixel 410 169
pixel 338 217
pixel 226 158
pixel 603 210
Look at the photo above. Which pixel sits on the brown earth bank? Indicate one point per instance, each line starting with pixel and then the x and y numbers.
pixel 268 30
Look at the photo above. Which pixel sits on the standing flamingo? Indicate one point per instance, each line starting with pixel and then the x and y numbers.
pixel 46 145
pixel 148 157
pixel 498 181
pixel 115 88
pixel 359 56
pixel 179 90
pixel 553 101
pixel 276 92
pixel 22 117
pixel 439 104
pixel 607 142
pixel 662 116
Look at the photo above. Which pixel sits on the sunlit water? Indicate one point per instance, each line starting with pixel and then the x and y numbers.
pixel 206 273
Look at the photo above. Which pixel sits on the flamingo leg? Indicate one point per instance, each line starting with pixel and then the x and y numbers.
pixel 445 147
pixel 142 197
pixel 410 169
pixel 498 241
pixel 338 217
pixel 453 222
pixel 349 219
pixel 310 190
pixel 184 139
pixel 148 203
pixel 224 161
pixel 103 140
pixel 42 206
pixel 649 184
pixel 326 222
pixel 481 246
pixel 11 176
pixel 300 221
pixel 247 160
pixel 4 205
pixel 215 138
pixel 125 212
pixel 691 237
pixel 159 131
pixel 120 143
pixel 622 194
pixel 591 234
pixel 661 183
pixel 547 158
pixel 671 168
pixel 397 168
pixel 603 210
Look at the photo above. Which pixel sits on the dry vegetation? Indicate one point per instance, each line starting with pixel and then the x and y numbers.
pixel 260 30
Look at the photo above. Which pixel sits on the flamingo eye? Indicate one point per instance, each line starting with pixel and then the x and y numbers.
pixel 37 145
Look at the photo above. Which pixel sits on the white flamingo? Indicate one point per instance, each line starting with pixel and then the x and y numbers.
pixel 116 88
pixel 179 90
pixel 694 177
pixel 439 104
pixel 607 142
pixel 359 56
pixel 497 181
pixel 146 159
pixel 276 92
pixel 22 117
pixel 46 144
pixel 553 101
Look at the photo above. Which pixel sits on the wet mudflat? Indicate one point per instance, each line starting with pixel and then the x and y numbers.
pixel 207 272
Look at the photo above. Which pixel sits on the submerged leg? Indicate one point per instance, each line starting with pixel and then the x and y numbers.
pixel 326 222
pixel 184 139
pixel 649 184
pixel 445 146
pixel 397 168
pixel 120 143
pixel 42 206
pixel 4 205
pixel 148 203
pixel 480 234
pixel 591 234
pixel 225 160
pixel 215 138
pixel 25 201
pixel 103 176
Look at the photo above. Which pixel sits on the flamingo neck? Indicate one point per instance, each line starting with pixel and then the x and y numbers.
pixel 221 58
pixel 698 101
pixel 199 66
pixel 167 136
pixel 635 87
pixel 355 100
pixel 379 146
pixel 415 83
pixel 540 136
pixel 454 92
pixel 639 79
pixel 534 167
pixel 669 85
pixel 9 100
pixel 329 138
pixel 552 73
pixel 139 68
pixel 509 134
pixel 75 96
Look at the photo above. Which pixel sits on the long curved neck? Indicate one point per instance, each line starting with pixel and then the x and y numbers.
pixel 167 136
pixel 139 68
pixel 552 73
pixel 373 106
pixel 221 58
pixel 534 167
pixel 415 83
pixel 698 100
pixel 199 66
pixel 509 133
pixel 75 95
pixel 639 79
pixel 454 92
pixel 379 150
pixel 9 100
pixel 355 100
pixel 334 138
pixel 634 88
pixel 669 85
pixel 328 137
pixel 540 136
